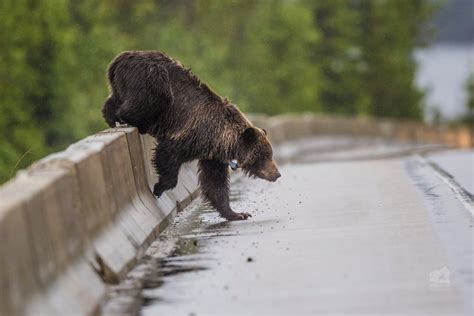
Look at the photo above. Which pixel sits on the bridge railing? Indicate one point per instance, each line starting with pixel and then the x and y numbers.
pixel 288 126
pixel 78 218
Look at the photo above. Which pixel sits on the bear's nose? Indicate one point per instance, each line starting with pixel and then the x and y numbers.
pixel 277 175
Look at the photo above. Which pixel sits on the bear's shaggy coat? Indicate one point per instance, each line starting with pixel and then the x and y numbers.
pixel 159 96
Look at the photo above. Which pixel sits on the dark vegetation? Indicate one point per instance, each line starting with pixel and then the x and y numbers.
pixel 469 116
pixel 348 57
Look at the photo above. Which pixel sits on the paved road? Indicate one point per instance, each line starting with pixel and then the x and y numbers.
pixel 459 164
pixel 349 232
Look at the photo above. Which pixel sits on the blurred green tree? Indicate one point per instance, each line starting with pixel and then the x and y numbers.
pixel 49 84
pixel 30 43
pixel 391 30
pixel 339 56
pixel 273 72
pixel 469 116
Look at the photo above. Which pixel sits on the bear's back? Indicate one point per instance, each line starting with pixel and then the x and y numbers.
pixel 128 70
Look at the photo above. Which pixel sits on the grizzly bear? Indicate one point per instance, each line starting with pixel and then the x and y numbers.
pixel 156 94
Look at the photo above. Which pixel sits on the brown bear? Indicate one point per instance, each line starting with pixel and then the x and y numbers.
pixel 159 96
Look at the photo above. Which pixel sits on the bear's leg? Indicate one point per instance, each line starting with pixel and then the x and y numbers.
pixel 167 164
pixel 109 110
pixel 146 103
pixel 214 182
pixel 132 113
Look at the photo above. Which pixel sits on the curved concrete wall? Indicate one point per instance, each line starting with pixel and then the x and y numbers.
pixel 85 215
pixel 78 218
pixel 291 126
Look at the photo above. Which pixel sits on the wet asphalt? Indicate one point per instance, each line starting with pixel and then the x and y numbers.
pixel 349 228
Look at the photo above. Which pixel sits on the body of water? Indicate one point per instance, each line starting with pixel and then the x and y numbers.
pixel 443 70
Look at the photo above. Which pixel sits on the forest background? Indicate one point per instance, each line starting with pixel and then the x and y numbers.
pixel 345 57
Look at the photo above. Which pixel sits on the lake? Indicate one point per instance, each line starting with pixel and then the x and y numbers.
pixel 443 70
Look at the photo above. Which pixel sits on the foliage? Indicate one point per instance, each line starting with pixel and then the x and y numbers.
pixel 469 117
pixel 351 57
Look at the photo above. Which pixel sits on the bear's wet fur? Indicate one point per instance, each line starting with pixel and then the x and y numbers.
pixel 159 96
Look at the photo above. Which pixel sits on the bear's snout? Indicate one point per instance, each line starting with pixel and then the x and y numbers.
pixel 270 172
pixel 277 175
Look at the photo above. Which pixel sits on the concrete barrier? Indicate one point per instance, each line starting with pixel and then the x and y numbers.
pixel 17 273
pixel 42 236
pixel 291 126
pixel 81 218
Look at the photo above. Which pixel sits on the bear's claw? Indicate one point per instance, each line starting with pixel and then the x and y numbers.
pixel 236 216
pixel 157 191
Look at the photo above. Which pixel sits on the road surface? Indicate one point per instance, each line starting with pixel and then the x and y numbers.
pixel 352 226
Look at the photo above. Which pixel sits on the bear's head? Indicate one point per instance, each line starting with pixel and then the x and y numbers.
pixel 255 155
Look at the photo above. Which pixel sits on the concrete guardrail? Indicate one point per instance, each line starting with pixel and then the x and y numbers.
pixel 291 126
pixel 81 218
pixel 78 218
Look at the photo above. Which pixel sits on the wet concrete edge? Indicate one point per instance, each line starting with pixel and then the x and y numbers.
pixel 450 210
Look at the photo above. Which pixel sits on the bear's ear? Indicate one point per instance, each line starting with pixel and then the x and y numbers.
pixel 250 135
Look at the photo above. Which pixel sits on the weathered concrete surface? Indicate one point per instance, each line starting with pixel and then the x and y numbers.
pixel 78 218
pixel 327 238
pixel 42 237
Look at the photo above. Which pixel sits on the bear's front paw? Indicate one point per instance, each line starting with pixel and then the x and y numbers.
pixel 157 190
pixel 233 216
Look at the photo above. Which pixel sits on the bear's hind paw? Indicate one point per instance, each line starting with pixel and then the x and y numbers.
pixel 121 125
